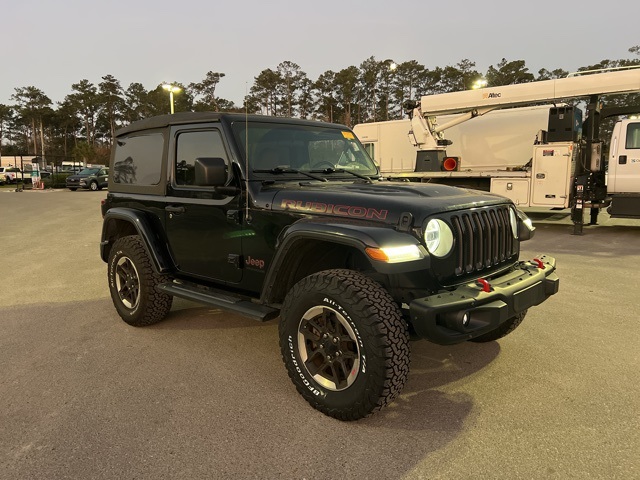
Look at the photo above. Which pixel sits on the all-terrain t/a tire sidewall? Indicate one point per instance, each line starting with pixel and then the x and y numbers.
pixel 380 333
pixel 152 305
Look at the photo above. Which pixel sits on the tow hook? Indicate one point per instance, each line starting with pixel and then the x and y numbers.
pixel 482 283
pixel 533 265
pixel 538 263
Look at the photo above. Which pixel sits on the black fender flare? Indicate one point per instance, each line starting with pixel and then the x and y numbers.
pixel 156 246
pixel 345 233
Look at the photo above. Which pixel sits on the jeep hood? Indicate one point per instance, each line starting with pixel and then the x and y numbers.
pixel 379 201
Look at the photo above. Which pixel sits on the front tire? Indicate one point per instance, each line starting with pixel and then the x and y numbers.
pixel 93 186
pixel 133 282
pixel 505 329
pixel 344 343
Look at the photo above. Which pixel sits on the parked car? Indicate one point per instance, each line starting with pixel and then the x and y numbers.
pixel 9 174
pixel 89 178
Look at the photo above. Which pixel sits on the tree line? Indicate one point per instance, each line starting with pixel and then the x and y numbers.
pixel 83 125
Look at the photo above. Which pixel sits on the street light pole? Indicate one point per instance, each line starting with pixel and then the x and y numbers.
pixel 392 68
pixel 171 89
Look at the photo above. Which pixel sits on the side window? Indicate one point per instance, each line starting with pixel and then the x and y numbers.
pixel 370 149
pixel 192 145
pixel 633 136
pixel 138 159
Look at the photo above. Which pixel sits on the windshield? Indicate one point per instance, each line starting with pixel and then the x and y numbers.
pixel 277 148
pixel 89 171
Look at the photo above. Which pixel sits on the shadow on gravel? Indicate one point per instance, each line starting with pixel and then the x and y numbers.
pixel 210 380
pixel 422 406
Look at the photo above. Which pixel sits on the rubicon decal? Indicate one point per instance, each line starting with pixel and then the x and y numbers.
pixel 330 209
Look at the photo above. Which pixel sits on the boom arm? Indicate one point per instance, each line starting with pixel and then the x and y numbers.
pixel 474 103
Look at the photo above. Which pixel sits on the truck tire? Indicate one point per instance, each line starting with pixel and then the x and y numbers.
pixel 505 329
pixel 132 283
pixel 344 343
pixel 94 186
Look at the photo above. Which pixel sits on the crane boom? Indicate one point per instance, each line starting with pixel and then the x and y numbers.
pixel 426 134
pixel 544 91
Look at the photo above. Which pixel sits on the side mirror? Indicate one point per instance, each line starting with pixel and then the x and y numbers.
pixel 210 172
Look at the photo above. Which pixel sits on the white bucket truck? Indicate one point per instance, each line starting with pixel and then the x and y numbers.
pixel 539 156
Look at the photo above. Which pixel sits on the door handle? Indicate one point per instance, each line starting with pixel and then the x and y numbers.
pixel 177 209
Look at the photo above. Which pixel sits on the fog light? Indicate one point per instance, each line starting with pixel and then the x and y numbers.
pixel 458 321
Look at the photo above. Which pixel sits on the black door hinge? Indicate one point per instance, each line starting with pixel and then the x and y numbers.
pixel 234 259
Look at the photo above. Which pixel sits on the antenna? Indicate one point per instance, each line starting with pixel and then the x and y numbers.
pixel 246 153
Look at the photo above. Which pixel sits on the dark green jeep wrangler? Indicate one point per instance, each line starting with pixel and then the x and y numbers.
pixel 273 217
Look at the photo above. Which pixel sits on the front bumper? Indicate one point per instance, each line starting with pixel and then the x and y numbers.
pixel 474 309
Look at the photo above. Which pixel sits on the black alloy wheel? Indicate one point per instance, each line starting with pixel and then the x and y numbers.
pixel 133 283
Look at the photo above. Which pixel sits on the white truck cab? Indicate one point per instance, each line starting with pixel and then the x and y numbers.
pixel 624 158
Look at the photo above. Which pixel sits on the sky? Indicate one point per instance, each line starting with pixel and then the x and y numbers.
pixel 53 44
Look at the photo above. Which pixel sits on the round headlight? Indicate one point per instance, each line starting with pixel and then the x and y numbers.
pixel 514 222
pixel 438 237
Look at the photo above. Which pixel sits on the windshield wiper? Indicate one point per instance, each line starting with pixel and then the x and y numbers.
pixel 277 170
pixel 342 170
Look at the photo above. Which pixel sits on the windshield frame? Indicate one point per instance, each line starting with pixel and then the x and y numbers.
pixel 293 147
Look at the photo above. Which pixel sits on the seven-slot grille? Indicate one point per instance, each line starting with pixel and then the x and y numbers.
pixel 483 239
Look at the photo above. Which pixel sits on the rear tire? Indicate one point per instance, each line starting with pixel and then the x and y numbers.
pixel 505 329
pixel 133 282
pixel 344 343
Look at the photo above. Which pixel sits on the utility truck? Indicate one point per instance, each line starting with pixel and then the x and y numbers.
pixel 543 156
pixel 499 140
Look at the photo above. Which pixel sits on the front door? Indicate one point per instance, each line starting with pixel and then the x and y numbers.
pixel 203 227
pixel 624 161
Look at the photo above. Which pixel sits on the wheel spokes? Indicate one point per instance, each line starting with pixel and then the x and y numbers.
pixel 328 348
pixel 127 282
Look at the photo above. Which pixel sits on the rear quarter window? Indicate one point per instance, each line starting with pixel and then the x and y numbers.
pixel 138 159
pixel 138 163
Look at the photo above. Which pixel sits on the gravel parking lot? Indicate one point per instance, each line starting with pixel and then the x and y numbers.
pixel 204 394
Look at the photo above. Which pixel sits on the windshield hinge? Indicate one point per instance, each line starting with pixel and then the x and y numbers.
pixel 405 222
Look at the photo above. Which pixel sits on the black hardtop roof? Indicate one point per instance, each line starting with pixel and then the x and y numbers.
pixel 162 121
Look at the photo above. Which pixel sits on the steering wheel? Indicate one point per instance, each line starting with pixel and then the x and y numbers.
pixel 324 164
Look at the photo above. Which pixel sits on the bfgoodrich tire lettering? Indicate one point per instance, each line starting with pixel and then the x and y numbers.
pixel 132 283
pixel 344 343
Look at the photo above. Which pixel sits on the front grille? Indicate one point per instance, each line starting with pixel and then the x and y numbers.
pixel 483 239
